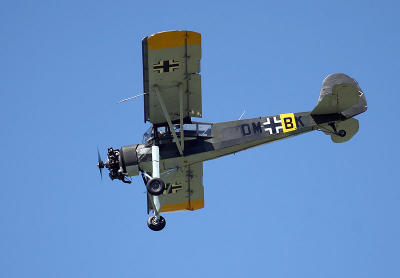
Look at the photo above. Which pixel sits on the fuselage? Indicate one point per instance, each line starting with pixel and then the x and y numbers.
pixel 224 138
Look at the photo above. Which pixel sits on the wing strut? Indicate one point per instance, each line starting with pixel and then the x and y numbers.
pixel 181 116
pixel 167 117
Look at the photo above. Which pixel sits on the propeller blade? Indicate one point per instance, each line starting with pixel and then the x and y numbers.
pixel 100 163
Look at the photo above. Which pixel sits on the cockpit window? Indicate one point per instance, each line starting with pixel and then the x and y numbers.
pixel 148 134
pixel 190 130
pixel 195 129
pixel 204 129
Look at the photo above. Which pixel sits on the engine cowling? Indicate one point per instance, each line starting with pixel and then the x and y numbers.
pixel 129 160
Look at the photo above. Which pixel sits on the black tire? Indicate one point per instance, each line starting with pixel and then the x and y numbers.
pixel 155 225
pixel 155 186
pixel 342 133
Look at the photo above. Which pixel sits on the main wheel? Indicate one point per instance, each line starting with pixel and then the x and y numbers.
pixel 156 225
pixel 155 186
pixel 342 133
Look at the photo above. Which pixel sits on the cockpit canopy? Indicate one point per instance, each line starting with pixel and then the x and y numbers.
pixel 193 130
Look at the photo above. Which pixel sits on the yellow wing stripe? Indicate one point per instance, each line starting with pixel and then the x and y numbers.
pixel 189 205
pixel 171 39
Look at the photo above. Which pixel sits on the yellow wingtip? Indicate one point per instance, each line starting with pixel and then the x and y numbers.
pixel 170 39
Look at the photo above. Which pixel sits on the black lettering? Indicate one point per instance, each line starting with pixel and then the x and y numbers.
pixel 246 129
pixel 298 121
pixel 288 123
pixel 257 128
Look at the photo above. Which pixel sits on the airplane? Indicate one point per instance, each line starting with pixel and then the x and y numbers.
pixel 171 155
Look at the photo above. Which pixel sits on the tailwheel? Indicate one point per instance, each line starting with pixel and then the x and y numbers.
pixel 155 186
pixel 156 224
pixel 342 133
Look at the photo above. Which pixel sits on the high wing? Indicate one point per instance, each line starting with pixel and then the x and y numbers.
pixel 171 79
pixel 184 190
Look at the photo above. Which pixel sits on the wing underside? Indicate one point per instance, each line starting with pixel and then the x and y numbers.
pixel 184 190
pixel 171 79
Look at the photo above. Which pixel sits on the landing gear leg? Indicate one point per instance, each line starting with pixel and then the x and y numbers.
pixel 341 133
pixel 155 185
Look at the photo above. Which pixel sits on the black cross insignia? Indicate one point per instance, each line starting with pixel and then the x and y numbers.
pixel 172 189
pixel 273 125
pixel 176 188
pixel 166 66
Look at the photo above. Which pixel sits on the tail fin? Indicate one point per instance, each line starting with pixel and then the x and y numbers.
pixel 340 99
pixel 340 94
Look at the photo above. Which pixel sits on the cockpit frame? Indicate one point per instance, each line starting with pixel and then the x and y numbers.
pixel 191 130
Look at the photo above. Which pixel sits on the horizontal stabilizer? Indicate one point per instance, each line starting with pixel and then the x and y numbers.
pixel 350 127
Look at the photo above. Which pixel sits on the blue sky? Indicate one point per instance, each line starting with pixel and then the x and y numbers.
pixel 302 207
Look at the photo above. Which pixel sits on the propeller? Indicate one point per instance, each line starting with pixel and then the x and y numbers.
pixel 100 163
